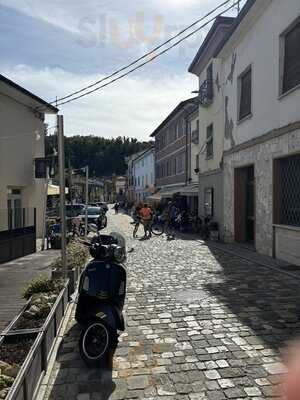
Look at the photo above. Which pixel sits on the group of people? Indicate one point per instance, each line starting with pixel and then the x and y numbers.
pixel 144 214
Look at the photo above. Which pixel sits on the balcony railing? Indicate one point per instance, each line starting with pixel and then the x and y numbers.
pixel 206 93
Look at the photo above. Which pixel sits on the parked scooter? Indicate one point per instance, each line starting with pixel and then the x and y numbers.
pixel 102 290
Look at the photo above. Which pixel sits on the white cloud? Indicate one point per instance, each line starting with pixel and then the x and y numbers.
pixel 132 107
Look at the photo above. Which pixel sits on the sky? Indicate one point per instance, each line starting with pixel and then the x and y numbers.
pixel 56 47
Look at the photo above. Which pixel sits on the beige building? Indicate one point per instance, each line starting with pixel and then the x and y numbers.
pixel 120 188
pixel 207 67
pixel 22 133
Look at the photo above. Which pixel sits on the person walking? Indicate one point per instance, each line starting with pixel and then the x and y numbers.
pixel 75 226
pixel 146 216
pixel 116 208
pixel 136 219
pixel 170 215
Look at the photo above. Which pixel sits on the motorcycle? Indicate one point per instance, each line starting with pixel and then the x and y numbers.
pixel 102 290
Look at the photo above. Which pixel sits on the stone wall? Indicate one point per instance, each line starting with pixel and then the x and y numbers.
pixel 262 156
pixel 214 181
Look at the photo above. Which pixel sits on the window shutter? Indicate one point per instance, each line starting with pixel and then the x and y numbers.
pixel 245 100
pixel 292 59
pixel 210 86
pixel 209 141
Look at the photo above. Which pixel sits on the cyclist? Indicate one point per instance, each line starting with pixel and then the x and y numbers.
pixel 146 214
pixel 136 219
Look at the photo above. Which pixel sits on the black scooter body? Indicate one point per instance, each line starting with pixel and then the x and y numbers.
pixel 101 297
pixel 102 290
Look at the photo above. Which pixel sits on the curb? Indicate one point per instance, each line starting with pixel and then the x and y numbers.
pixel 45 382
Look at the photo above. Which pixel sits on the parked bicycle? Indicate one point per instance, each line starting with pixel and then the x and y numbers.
pixel 158 225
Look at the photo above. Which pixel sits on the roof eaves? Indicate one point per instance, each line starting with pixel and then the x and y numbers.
pixel 173 113
pixel 27 93
pixel 218 21
pixel 244 11
pixel 143 153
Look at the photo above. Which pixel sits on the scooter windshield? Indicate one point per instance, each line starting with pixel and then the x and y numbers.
pixel 120 239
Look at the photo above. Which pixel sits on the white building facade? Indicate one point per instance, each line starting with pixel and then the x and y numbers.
pixel 261 85
pixel 143 174
pixel 207 67
pixel 22 135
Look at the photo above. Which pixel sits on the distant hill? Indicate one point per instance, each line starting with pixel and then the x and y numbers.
pixel 103 156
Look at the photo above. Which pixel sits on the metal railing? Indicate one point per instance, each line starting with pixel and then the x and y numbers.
pixel 17 233
pixel 206 93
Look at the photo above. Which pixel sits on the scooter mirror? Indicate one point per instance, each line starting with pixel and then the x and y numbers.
pixel 120 239
pixel 93 228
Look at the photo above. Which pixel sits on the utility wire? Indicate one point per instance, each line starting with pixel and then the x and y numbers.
pixel 57 100
pixel 148 61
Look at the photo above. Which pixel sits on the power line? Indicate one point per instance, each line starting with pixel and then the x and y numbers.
pixel 146 62
pixel 57 100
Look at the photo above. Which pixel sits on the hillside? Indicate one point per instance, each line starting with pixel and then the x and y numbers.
pixel 104 156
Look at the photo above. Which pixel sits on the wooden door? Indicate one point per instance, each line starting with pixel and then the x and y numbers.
pixel 240 181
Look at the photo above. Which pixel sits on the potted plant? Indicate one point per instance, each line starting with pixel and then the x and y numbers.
pixel 26 344
pixel 14 351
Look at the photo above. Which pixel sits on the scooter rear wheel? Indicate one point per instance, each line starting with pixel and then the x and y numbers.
pixel 95 343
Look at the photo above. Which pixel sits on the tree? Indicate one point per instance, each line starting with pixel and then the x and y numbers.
pixel 103 156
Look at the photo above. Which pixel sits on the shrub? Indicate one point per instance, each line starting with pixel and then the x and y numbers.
pixel 77 254
pixel 42 285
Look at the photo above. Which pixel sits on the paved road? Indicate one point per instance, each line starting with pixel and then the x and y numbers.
pixel 201 324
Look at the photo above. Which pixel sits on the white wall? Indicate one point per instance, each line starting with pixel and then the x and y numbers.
pixel 212 114
pixel 21 141
pixel 143 171
pixel 258 44
pixel 194 150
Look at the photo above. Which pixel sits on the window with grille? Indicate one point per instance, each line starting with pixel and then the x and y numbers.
pixel 210 141
pixel 174 166
pixel 245 89
pixel 180 163
pixel 287 191
pixel 291 68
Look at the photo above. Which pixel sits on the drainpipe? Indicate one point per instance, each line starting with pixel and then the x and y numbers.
pixel 186 150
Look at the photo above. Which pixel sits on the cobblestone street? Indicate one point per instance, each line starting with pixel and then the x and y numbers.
pixel 201 324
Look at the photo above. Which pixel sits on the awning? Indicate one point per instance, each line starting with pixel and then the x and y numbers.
pixel 169 192
pixel 53 190
pixel 190 190
pixel 154 197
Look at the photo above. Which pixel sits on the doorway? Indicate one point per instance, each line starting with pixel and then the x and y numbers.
pixel 14 206
pixel 244 205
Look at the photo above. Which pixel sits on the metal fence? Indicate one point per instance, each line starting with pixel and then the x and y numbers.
pixel 17 233
pixel 290 192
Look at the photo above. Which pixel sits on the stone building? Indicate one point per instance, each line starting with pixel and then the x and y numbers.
pixel 261 85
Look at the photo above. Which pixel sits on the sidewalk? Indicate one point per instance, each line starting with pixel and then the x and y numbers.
pixel 247 254
pixel 256 258
pixel 15 275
